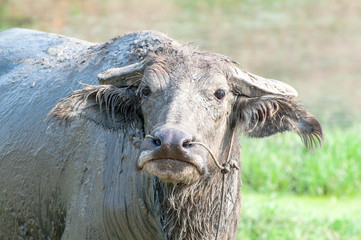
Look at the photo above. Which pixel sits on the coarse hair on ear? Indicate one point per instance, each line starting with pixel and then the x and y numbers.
pixel 106 105
pixel 266 106
pixel 113 104
pixel 270 114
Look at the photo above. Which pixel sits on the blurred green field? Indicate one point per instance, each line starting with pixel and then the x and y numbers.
pixel 291 217
pixel 281 164
pixel 291 193
pixel 288 192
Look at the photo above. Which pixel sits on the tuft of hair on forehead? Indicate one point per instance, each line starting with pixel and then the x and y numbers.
pixel 173 55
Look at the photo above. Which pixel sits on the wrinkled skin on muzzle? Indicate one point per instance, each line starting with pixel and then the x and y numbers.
pixel 180 109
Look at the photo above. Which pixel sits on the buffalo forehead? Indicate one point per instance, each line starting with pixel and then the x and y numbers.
pixel 185 80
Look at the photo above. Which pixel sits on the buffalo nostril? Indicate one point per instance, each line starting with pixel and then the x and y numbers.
pixel 157 142
pixel 187 144
pixel 171 138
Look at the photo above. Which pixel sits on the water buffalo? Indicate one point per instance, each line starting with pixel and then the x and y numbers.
pixel 140 141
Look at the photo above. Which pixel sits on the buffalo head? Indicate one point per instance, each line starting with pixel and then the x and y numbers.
pixel 183 96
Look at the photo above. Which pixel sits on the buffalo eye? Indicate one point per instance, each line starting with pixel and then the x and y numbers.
pixel 219 94
pixel 146 91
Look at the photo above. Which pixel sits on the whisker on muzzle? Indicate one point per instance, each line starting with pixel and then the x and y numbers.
pixel 209 151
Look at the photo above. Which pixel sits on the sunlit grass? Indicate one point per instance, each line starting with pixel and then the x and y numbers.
pixel 281 163
pixel 293 217
pixel 292 193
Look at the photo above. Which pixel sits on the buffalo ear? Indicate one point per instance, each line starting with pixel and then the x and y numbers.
pixel 106 105
pixel 265 107
pixel 112 104
pixel 270 114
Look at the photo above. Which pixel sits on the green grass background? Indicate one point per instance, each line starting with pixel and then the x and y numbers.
pixel 314 45
pixel 280 164
pixel 290 193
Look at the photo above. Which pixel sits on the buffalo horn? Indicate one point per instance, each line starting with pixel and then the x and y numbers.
pixel 251 85
pixel 124 76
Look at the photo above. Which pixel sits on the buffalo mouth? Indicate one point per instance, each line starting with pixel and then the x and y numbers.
pixel 185 170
